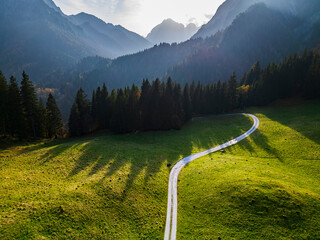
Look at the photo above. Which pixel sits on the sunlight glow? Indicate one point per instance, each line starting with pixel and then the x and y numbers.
pixel 142 15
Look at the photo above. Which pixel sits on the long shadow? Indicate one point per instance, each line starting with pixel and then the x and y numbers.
pixel 148 152
pixel 303 118
pixel 7 143
pixel 262 142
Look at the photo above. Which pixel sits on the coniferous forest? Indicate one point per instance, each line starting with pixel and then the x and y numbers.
pixel 164 106
pixel 23 115
pixel 157 105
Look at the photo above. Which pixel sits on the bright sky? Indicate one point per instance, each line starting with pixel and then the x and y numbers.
pixel 141 16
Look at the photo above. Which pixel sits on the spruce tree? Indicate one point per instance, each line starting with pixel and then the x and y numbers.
pixel 83 107
pixel 232 92
pixel 54 119
pixel 74 121
pixel 16 115
pixel 94 111
pixel 41 120
pixel 187 107
pixel 168 106
pixel 30 103
pixel 112 103
pixel 3 104
pixel 104 108
pixel 133 112
pixel 155 104
pixel 145 105
pixel 118 123
pixel 178 115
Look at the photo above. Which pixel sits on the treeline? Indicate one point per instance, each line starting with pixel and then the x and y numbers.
pixel 158 106
pixel 23 115
pixel 163 106
pixel 294 76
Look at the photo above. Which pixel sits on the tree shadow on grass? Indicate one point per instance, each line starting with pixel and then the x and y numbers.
pixel 262 142
pixel 147 153
pixel 303 118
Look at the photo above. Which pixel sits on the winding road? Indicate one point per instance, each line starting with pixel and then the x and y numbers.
pixel 171 222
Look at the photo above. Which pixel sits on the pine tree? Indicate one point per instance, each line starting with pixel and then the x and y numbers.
pixel 232 92
pixel 145 106
pixel 94 111
pixel 112 102
pixel 41 120
pixel 3 104
pixel 16 114
pixel 133 112
pixel 74 121
pixel 54 119
pixel 253 74
pixel 178 114
pixel 167 107
pixel 155 104
pixel 118 123
pixel 187 107
pixel 84 111
pixel 104 107
pixel 30 103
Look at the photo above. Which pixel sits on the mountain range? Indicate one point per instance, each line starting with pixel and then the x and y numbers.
pixel 261 33
pixel 170 31
pixel 230 9
pixel 38 37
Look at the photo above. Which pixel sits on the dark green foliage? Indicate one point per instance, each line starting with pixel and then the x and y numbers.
pixel 165 106
pixel 74 121
pixel 30 104
pixel 294 76
pixel 252 75
pixel 133 111
pixel 187 107
pixel 119 120
pixel 41 120
pixel 3 105
pixel 312 84
pixel 232 94
pixel 80 121
pixel 16 114
pixel 54 120
pixel 22 115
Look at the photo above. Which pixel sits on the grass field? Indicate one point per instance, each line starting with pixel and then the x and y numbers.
pixel 267 187
pixel 115 186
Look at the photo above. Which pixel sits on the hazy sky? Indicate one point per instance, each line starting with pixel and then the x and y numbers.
pixel 142 15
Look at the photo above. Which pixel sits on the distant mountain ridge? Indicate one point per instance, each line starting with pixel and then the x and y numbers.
pixel 52 5
pixel 260 33
pixel 170 31
pixel 37 37
pixel 115 39
pixel 230 9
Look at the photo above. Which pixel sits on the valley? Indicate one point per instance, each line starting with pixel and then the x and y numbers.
pixel 165 119
pixel 95 187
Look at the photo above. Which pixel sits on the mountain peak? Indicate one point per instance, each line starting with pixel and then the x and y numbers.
pixel 170 21
pixel 52 5
pixel 170 31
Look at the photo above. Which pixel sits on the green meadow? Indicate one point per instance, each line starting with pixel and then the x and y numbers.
pixel 115 186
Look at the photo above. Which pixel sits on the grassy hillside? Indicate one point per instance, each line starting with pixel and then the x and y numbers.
pixel 267 187
pixel 115 186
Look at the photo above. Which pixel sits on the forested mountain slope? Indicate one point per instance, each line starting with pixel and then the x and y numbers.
pixel 37 37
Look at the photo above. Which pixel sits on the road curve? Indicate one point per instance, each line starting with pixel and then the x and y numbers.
pixel 171 222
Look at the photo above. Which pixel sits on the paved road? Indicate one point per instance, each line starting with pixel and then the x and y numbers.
pixel 171 221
